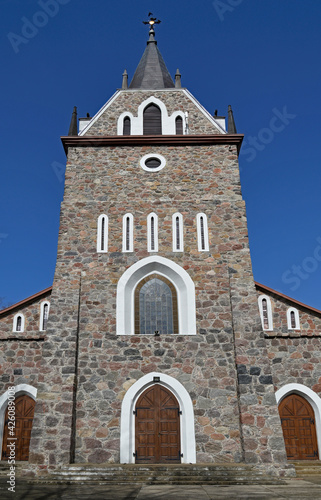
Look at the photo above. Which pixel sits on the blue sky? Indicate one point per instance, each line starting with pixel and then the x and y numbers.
pixel 262 57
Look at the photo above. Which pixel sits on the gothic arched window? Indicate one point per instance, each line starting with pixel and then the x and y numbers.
pixel 152 119
pixel 155 306
pixel 178 239
pixel 102 234
pixel 128 233
pixel 126 127
pixel 265 312
pixel 293 319
pixel 202 233
pixel 179 125
pixel 18 323
pixel 44 315
pixel 152 233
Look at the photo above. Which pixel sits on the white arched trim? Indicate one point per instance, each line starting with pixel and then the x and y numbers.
pixel 42 313
pixel 168 122
pixel 102 235
pixel 296 318
pixel 152 232
pixel 19 391
pixel 127 422
pixel 184 285
pixel 311 397
pixel 15 323
pixel 202 233
pixel 269 312
pixel 178 228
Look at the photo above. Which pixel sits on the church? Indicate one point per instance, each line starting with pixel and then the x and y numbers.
pixel 155 345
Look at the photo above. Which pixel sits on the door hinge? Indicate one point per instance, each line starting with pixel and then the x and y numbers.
pixel 135 413
pixel 135 454
pixel 6 422
pixel 4 454
pixel 312 420
pixel 180 455
pixel 315 454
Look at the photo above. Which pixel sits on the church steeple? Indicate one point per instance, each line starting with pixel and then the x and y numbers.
pixel 151 72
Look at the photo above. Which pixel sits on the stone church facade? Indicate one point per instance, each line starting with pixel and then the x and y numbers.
pixel 154 344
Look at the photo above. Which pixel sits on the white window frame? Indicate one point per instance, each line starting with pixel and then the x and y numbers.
pixel 125 309
pixel 269 312
pixel 99 231
pixel 149 232
pixel 131 233
pixel 42 306
pixel 199 233
pixel 181 235
pixel 143 160
pixel 296 316
pixel 14 326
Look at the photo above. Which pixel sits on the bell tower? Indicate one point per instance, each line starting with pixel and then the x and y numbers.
pixel 155 344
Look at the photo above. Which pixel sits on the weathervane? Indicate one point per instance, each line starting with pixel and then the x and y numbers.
pixel 152 20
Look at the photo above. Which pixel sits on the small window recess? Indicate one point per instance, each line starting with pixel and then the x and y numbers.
pixel 152 233
pixel 128 233
pixel 178 240
pixel 293 319
pixel 102 234
pixel 202 233
pixel 152 162
pixel 18 323
pixel 127 126
pixel 265 309
pixel 44 315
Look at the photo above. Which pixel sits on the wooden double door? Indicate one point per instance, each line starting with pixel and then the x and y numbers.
pixel 298 425
pixel 24 411
pixel 157 427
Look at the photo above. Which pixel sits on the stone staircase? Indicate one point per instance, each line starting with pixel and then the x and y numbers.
pixel 219 474
pixel 307 468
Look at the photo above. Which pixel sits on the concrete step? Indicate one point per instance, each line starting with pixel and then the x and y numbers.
pixel 221 474
pixel 307 468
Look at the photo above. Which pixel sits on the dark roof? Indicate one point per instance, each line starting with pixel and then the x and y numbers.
pixel 151 72
pixel 27 301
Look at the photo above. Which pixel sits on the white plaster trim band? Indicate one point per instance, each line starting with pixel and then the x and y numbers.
pixel 311 397
pixel 184 285
pixel 127 422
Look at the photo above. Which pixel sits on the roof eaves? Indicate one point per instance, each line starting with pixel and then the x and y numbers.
pixel 26 301
pixel 281 295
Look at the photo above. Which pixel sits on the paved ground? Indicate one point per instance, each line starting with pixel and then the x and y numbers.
pixel 294 489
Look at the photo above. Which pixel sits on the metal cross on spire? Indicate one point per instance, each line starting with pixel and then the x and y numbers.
pixel 152 20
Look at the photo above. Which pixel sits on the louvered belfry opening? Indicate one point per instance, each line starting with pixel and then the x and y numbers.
pixel 152 120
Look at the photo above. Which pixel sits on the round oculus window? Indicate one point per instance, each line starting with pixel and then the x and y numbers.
pixel 152 162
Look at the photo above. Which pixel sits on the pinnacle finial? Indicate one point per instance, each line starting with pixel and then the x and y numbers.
pixel 178 83
pixel 125 80
pixel 73 129
pixel 231 128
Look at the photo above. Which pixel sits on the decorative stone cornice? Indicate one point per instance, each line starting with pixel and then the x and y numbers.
pixel 150 140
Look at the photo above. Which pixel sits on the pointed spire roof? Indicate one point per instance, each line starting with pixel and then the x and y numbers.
pixel 151 72
pixel 73 129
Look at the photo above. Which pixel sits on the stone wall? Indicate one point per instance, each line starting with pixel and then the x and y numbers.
pixel 129 100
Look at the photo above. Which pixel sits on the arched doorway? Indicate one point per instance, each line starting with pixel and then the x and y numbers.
pixel 298 425
pixel 24 411
pixel 157 427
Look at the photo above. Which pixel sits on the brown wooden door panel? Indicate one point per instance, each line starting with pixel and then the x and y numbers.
pixel 298 425
pixel 157 427
pixel 24 412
